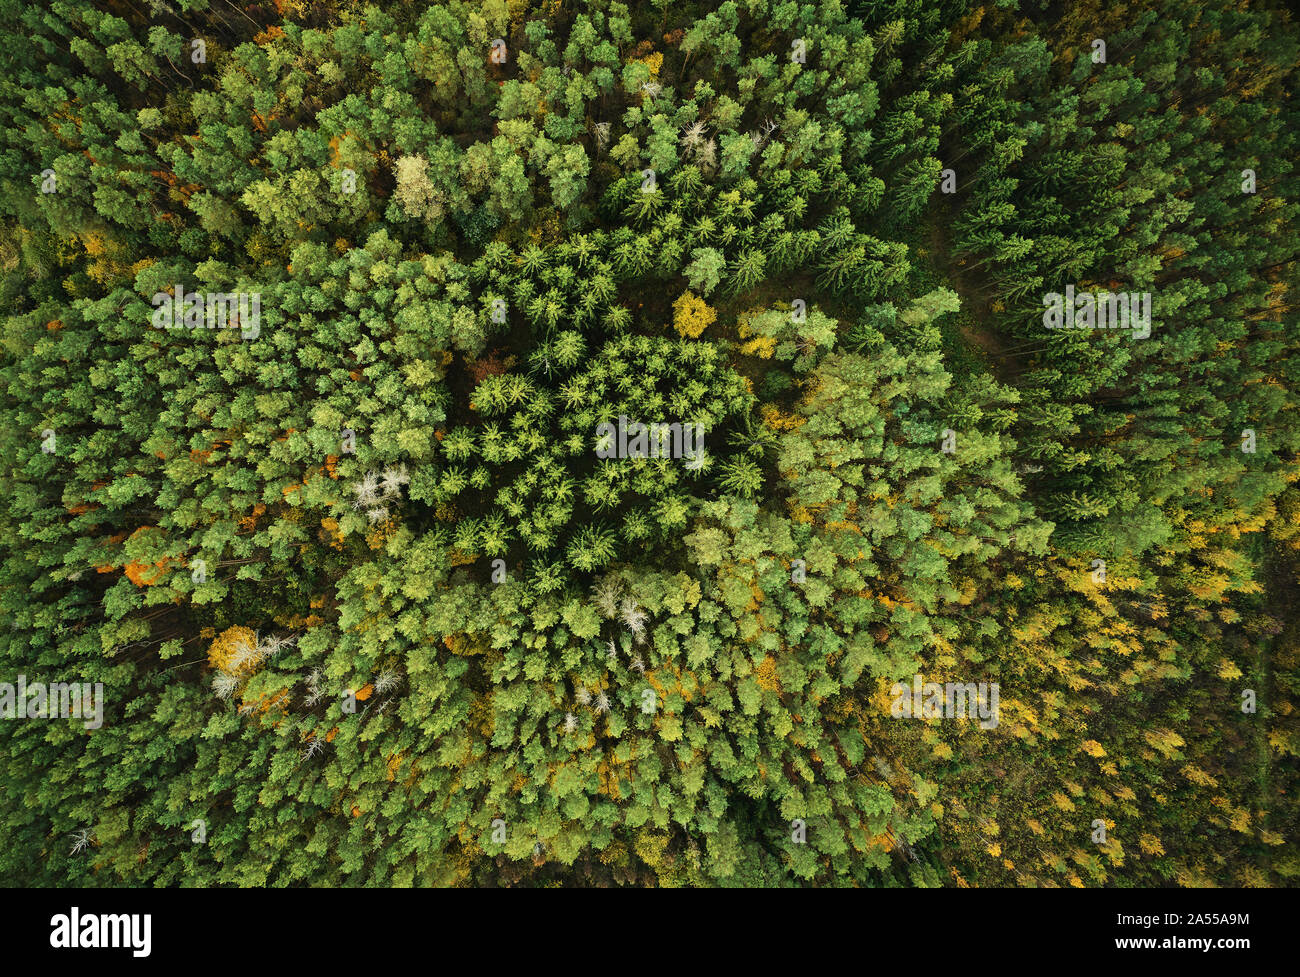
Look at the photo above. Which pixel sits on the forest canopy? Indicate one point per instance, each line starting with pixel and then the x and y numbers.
pixel 755 443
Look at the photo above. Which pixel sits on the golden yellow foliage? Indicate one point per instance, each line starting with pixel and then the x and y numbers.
pixel 654 61
pixel 230 651
pixel 692 315
pixel 331 526
pixel 777 421
pixel 761 346
pixel 394 764
pixel 1063 802
pixel 1150 845
pixel 765 675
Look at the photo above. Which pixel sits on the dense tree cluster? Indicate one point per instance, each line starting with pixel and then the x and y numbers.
pixel 373 601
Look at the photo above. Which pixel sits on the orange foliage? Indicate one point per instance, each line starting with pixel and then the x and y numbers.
pixel 138 574
pixel 249 523
pixel 265 703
